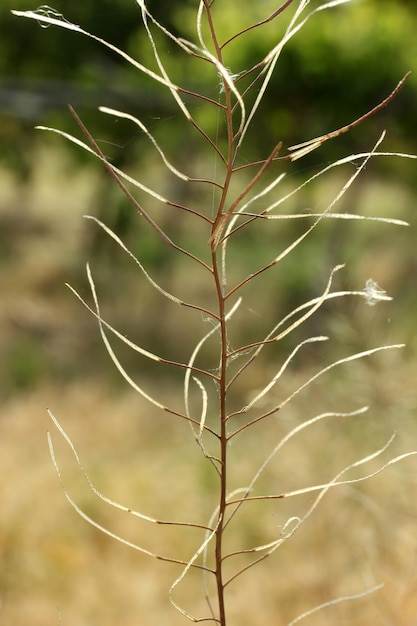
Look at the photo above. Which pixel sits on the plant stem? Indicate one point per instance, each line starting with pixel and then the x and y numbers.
pixel 223 440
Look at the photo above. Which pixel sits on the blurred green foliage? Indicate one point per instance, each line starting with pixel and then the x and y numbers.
pixel 341 64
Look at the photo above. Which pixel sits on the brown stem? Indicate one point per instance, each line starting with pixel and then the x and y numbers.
pixel 261 23
pixel 223 441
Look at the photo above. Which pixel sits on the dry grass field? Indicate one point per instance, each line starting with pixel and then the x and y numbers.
pixel 55 566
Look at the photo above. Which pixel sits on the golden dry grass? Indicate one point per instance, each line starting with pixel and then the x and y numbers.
pixel 54 564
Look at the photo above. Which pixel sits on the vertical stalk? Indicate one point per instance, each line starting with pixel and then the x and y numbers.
pixel 217 228
pixel 223 441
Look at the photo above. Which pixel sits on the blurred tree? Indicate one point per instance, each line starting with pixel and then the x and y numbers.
pixel 354 53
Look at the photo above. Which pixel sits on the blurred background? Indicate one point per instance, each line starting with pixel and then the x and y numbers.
pixel 341 65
